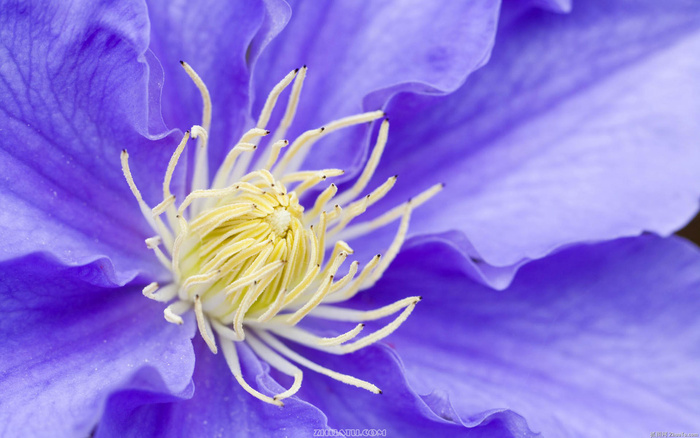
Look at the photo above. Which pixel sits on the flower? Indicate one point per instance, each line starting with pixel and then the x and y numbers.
pixel 554 143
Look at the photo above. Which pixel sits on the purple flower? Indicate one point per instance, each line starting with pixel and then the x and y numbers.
pixel 553 127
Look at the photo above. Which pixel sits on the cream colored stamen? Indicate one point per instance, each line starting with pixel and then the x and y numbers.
pixel 251 262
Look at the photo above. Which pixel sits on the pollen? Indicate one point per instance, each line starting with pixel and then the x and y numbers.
pixel 252 263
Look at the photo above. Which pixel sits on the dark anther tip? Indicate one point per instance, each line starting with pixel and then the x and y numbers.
pixel 296 70
pixel 267 132
pixel 381 392
pixel 304 66
pixel 323 128
pixel 420 298
pixel 363 324
pixel 182 62
pixel 396 176
pixel 443 185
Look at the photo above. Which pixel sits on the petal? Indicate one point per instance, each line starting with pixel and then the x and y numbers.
pixel 359 54
pixel 593 341
pixel 74 91
pixel 553 5
pixel 581 127
pixel 399 410
pixel 70 338
pixel 220 407
pixel 221 43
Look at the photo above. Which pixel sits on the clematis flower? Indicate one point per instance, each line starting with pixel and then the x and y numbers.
pixel 581 127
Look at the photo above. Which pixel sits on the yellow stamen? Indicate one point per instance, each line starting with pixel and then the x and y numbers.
pixel 252 262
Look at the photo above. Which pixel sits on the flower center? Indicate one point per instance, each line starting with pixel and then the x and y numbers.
pixel 253 263
pixel 280 221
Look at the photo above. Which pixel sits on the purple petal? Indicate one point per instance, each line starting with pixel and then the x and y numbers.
pixel 70 338
pixel 399 410
pixel 74 91
pixel 359 54
pixel 220 407
pixel 221 43
pixel 593 341
pixel 552 5
pixel 581 127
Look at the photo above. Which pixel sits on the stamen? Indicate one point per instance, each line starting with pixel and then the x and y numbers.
pixel 292 104
pixel 275 153
pixel 203 324
pixel 354 288
pixel 145 209
pixel 249 259
pixel 201 170
pixel 242 166
pixel 272 98
pixel 163 206
pixel 370 167
pixel 172 312
pixel 294 149
pixel 352 315
pixel 321 202
pixel 388 217
pixel 393 250
pixel 152 243
pixel 280 347
pixel 164 294
pixel 224 171
pixel 231 356
pixel 279 363
pixel 305 338
pixel 295 157
pixel 337 340
pixel 381 333
pixel 225 332
pixel 173 163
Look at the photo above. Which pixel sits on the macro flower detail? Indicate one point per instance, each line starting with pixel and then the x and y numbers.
pixel 250 259
pixel 563 130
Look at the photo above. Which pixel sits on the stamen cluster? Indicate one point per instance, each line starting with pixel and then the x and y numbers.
pixel 252 262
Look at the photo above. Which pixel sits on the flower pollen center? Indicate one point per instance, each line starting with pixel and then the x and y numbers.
pixel 253 263
pixel 279 220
